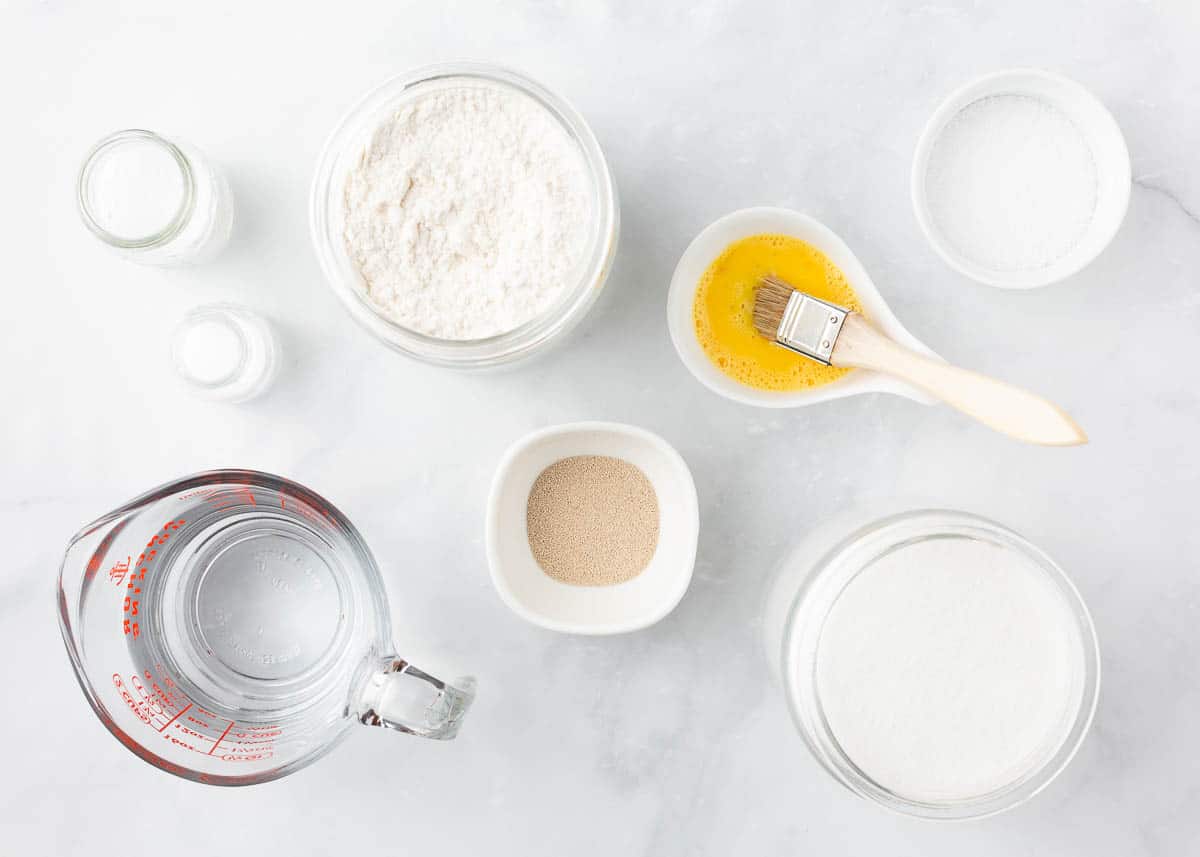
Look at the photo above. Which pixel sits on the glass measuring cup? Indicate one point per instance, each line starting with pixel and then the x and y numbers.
pixel 231 626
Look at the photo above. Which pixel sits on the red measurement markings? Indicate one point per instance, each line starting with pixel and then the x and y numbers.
pixel 264 742
pixel 304 510
pixel 158 702
pixel 128 699
pixel 170 696
pixel 193 729
pixel 117 573
pixel 186 730
pixel 150 708
pixel 223 498
pixel 97 557
pixel 200 720
pixel 173 719
pixel 149 704
pixel 222 738
pixel 206 491
pixel 261 737
pixel 130 621
pixel 179 742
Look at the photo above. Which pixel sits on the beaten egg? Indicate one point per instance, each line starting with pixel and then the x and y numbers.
pixel 724 310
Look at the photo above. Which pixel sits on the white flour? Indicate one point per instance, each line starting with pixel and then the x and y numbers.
pixel 1011 183
pixel 950 668
pixel 469 212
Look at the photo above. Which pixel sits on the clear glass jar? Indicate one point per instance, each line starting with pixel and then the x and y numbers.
pixel 816 575
pixel 326 213
pixel 225 352
pixel 153 200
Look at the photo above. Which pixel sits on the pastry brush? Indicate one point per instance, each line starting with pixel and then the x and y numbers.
pixel 836 336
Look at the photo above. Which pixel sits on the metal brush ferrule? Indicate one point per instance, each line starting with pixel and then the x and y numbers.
pixel 811 326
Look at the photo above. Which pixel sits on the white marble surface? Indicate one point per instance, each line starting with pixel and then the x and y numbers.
pixel 670 741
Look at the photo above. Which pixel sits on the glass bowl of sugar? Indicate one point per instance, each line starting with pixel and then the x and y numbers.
pixel 464 215
pixel 937 663
pixel 1020 179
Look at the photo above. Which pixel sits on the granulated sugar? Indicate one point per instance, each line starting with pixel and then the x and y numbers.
pixel 1011 183
pixel 592 520
pixel 949 669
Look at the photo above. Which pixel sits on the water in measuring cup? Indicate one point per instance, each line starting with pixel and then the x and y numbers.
pixel 248 607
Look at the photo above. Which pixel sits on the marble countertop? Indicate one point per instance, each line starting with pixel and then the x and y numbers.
pixel 673 740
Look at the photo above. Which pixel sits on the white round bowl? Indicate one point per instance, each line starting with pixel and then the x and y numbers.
pixel 1102 135
pixel 712 241
pixel 637 603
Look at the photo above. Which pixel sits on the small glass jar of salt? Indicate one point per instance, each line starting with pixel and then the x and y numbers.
pixel 225 352
pixel 153 200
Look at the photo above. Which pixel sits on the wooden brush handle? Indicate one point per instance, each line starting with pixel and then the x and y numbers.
pixel 1003 407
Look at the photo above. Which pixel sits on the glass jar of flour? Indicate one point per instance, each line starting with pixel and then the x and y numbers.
pixel 934 661
pixel 153 200
pixel 489 307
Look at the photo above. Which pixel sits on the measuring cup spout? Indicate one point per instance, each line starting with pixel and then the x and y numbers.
pixel 398 695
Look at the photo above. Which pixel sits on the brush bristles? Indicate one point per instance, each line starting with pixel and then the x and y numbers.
pixel 770 301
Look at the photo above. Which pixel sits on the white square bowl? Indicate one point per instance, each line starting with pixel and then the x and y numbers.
pixel 637 603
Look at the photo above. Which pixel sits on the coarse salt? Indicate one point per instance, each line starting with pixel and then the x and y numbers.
pixel 1011 183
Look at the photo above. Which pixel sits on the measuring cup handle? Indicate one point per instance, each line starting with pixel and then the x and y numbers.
pixel 407 699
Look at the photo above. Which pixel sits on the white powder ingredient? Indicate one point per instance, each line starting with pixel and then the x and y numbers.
pixel 136 189
pixel 1011 183
pixel 211 351
pixel 469 212
pixel 949 669
pixel 225 352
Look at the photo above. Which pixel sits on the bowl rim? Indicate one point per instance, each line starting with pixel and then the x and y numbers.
pixel 492 515
pixel 523 340
pixel 1012 81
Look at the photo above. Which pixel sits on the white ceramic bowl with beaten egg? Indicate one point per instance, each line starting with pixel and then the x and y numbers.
pixel 1101 134
pixel 637 603
pixel 712 241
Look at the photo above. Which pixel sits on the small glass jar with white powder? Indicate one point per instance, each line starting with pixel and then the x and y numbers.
pixel 939 664
pixel 225 352
pixel 153 200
